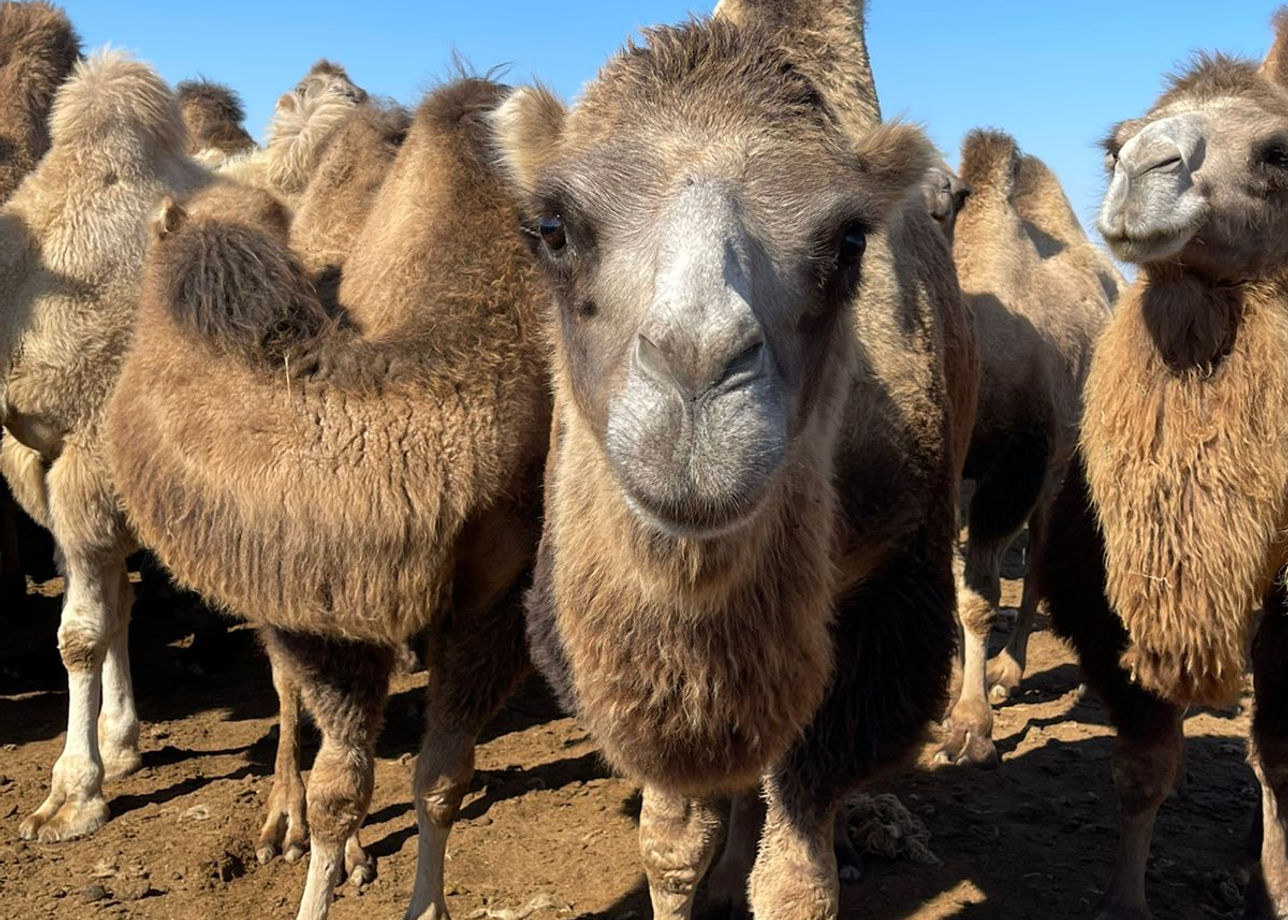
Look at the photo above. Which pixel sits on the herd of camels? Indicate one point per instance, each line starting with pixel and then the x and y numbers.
pixel 669 393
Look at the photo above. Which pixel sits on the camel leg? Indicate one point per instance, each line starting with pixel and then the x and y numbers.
pixel 118 722
pixel 1148 758
pixel 678 839
pixel 343 685
pixel 1269 756
pixel 286 829
pixel 1007 670
pixel 75 805
pixel 727 886
pixel 474 662
pixel 795 876
pixel 968 735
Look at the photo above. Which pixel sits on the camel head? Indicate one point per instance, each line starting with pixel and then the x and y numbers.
pixel 702 215
pixel 1201 181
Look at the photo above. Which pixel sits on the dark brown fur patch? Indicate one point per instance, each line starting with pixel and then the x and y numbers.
pixel 214 115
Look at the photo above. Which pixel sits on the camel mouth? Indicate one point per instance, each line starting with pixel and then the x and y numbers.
pixel 692 522
pixel 1158 246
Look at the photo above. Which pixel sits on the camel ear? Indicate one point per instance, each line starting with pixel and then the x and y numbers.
pixel 1275 66
pixel 826 41
pixel 168 217
pixel 528 127
pixel 895 159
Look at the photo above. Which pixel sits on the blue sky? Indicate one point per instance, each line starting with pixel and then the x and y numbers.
pixel 1056 75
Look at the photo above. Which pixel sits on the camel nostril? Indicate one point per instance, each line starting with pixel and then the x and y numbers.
pixel 652 360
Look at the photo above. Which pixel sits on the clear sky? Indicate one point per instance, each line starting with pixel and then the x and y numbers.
pixel 1054 74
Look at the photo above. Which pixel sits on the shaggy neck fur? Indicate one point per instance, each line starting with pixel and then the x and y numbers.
pixel 1189 472
pixel 694 664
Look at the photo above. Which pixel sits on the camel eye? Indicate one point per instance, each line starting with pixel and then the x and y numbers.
pixel 854 242
pixel 553 234
pixel 1111 159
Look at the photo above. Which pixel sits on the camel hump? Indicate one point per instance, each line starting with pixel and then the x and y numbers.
pixel 215 99
pixel 990 160
pixel 37 32
pixel 221 266
pixel 110 95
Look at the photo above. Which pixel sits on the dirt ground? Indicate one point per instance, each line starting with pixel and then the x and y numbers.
pixel 547 832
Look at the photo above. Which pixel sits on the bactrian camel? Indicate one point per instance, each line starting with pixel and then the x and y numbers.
pixel 37 50
pixel 379 468
pixel 764 381
pixel 1032 280
pixel 1185 449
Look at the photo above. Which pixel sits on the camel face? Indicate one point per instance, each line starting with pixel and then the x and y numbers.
pixel 1202 180
pixel 703 219
pixel 945 196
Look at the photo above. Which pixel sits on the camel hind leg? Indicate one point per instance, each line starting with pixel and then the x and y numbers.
pixel 1006 670
pixel 118 721
pixel 343 685
pixel 474 658
pixel 1268 752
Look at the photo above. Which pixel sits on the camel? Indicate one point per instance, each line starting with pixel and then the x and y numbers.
pixel 37 50
pixel 746 562
pixel 214 116
pixel 303 121
pixel 379 470
pixel 69 289
pixel 945 195
pixel 1031 277
pixel 115 120
pixel 1171 526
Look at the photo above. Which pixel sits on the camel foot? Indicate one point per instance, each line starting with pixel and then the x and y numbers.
pixel 964 747
pixel 1004 676
pixel 359 865
pixel 67 819
pixel 849 861
pixel 285 833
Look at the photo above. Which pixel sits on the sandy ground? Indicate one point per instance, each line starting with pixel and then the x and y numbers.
pixel 547 832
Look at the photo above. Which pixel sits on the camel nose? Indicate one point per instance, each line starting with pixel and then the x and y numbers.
pixel 695 369
pixel 1162 155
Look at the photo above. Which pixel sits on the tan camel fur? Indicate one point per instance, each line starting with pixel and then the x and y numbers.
pixel 379 470
pixel 945 195
pixel 764 382
pixel 214 116
pixel 37 50
pixel 71 246
pixel 303 120
pixel 1185 445
pixel 1038 303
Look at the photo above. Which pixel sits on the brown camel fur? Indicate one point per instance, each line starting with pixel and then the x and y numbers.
pixel 37 50
pixel 214 116
pixel 1185 444
pixel 71 247
pixel 1038 303
pixel 945 195
pixel 746 561
pixel 303 120
pixel 378 471
pixel 327 221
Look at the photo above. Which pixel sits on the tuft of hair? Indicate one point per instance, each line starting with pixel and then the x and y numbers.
pixel 303 121
pixel 526 128
pixel 36 34
pixel 110 95
pixel 214 115
pixel 989 162
pixel 222 266
pixel 1275 66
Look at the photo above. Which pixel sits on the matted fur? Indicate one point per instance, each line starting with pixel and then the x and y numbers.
pixel 331 494
pixel 214 115
pixel 37 50
pixel 1189 473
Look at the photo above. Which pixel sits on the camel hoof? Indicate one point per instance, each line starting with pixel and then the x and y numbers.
pixel 968 748
pixel 359 866
pixel 998 694
pixel 295 852
pixel 70 821
pixel 266 854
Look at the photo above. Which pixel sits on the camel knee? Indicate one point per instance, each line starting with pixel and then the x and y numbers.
pixel 1145 774
pixel 82 644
